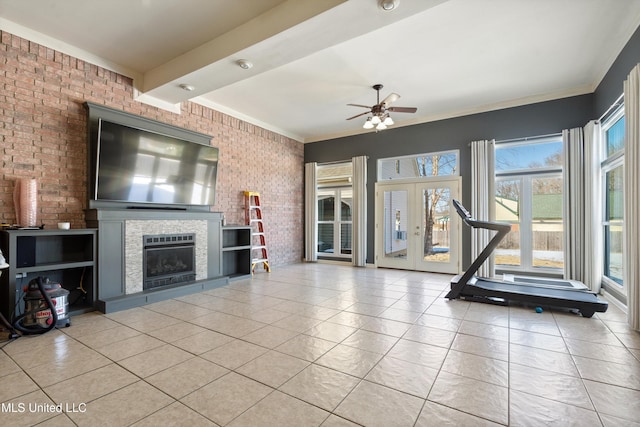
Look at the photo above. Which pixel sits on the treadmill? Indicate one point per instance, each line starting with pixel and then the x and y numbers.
pixel 526 291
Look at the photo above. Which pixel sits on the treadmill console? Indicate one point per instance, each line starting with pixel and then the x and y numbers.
pixel 462 211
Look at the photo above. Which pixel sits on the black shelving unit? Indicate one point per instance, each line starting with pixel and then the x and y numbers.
pixel 67 257
pixel 236 251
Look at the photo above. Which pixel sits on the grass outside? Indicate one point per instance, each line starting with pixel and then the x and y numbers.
pixel 515 260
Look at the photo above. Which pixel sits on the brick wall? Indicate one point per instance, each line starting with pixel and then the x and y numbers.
pixel 43 135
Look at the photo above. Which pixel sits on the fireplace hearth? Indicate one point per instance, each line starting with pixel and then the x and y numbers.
pixel 168 259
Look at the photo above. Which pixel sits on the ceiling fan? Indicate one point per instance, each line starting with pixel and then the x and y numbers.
pixel 380 112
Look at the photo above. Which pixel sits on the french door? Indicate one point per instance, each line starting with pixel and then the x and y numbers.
pixel 417 227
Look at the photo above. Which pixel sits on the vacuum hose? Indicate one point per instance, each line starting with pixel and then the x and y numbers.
pixel 52 308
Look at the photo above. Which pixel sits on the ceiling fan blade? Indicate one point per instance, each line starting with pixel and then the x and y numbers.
pixel 358 115
pixel 391 98
pixel 360 105
pixel 402 109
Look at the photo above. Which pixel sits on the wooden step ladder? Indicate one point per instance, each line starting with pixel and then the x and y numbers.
pixel 253 217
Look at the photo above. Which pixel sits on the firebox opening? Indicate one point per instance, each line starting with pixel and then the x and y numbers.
pixel 168 259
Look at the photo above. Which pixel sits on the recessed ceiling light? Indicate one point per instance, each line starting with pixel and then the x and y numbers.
pixel 388 5
pixel 187 87
pixel 244 64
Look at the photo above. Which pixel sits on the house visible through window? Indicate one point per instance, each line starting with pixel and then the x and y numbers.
pixel 528 195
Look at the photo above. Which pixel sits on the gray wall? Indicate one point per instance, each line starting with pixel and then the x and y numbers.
pixel 611 86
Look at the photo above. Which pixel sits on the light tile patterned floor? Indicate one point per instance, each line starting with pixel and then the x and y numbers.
pixel 319 344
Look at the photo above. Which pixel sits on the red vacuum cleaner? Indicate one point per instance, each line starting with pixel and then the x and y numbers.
pixel 46 306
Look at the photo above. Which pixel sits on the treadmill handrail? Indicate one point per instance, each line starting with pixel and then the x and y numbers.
pixel 472 222
pixel 502 229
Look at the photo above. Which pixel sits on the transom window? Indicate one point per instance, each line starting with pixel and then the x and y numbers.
pixel 444 163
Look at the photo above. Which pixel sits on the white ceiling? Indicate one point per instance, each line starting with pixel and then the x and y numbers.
pixel 311 58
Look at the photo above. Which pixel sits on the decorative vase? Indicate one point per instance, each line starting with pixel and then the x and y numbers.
pixel 25 199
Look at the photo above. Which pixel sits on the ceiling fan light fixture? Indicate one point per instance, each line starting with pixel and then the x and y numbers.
pixel 388 5
pixel 380 118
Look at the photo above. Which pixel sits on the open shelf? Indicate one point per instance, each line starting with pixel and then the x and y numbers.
pixel 54 266
pixel 236 236
pixel 236 251
pixel 67 257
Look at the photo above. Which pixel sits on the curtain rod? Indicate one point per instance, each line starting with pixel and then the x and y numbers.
pixel 335 162
pixel 529 138
pixel 615 105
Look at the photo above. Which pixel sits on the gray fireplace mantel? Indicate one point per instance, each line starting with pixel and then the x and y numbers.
pixel 115 256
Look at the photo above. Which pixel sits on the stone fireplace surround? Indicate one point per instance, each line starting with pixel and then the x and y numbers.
pixel 133 246
pixel 120 253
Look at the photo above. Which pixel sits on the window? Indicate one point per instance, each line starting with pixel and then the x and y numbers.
pixel 334 222
pixel 528 188
pixel 443 163
pixel 612 169
pixel 335 202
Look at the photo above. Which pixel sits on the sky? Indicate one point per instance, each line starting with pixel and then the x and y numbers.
pixel 514 157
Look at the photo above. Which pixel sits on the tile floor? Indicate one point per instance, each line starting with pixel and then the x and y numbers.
pixel 318 344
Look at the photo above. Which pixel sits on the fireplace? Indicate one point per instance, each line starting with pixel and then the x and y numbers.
pixel 168 259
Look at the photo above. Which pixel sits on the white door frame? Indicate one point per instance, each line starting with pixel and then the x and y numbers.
pixel 414 259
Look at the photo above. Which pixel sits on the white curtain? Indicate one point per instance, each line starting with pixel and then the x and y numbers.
pixel 310 212
pixel 359 212
pixel 573 203
pixel 482 199
pixel 593 249
pixel 631 260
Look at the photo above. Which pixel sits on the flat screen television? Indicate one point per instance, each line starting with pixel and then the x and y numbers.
pixel 142 167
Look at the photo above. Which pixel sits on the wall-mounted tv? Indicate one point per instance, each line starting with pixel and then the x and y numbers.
pixel 142 167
